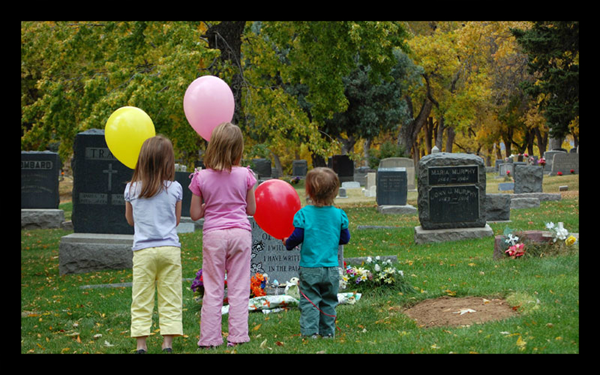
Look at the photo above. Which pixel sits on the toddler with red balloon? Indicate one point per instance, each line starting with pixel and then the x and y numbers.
pixel 320 227
pixel 223 194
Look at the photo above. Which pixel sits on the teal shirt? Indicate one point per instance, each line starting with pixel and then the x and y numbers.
pixel 322 227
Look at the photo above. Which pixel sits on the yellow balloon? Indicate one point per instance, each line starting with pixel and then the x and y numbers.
pixel 125 132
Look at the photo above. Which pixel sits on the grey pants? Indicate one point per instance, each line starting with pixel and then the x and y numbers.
pixel 320 285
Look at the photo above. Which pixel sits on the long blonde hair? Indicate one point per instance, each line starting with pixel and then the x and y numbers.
pixel 156 164
pixel 322 185
pixel 225 147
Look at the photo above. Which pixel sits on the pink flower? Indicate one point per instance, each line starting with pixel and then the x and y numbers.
pixel 516 251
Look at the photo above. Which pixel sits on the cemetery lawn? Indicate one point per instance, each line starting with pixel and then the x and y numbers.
pixel 60 314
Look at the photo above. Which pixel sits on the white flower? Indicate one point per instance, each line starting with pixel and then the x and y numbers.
pixel 377 268
pixel 369 260
pixel 549 225
pixel 512 240
pixel 561 233
pixel 377 258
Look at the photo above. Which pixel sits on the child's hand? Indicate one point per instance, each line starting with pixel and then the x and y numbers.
pixel 284 239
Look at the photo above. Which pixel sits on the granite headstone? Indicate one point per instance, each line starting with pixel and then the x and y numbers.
pixel 343 166
pixel 528 179
pixel 270 256
pixel 451 191
pixel 40 171
pixel 99 181
pixel 565 163
pixel 391 186
pixel 407 163
pixel 299 168
pixel 262 167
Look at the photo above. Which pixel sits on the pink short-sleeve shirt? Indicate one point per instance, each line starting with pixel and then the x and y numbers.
pixel 224 194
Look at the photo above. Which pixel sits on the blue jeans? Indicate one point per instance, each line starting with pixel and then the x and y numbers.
pixel 320 285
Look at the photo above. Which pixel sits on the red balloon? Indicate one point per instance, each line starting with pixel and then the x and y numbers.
pixel 276 204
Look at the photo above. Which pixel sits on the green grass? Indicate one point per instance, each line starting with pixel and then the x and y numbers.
pixel 58 316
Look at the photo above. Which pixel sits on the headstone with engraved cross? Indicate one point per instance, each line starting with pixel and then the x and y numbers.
pixel 99 181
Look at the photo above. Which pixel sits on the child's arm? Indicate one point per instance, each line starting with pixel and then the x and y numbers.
pixel 178 211
pixel 129 213
pixel 295 239
pixel 344 236
pixel 251 202
pixel 196 208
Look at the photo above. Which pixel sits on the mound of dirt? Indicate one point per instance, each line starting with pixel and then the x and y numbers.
pixel 449 311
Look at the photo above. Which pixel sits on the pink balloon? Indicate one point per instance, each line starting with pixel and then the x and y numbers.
pixel 208 102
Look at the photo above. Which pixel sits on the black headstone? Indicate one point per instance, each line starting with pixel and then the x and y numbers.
pixel 451 191
pixel 40 171
pixel 343 166
pixel 99 181
pixel 391 186
pixel 184 179
pixel 299 168
pixel 262 167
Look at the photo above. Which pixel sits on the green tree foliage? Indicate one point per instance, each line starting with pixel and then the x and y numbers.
pixel 75 74
pixel 553 49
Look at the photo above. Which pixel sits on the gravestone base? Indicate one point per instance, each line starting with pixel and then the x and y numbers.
pixel 423 236
pixel 41 218
pixel 186 225
pixel 540 196
pixel 407 209
pixel 91 252
pixel 518 203
pixel 497 207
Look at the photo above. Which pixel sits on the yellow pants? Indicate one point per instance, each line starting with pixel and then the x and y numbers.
pixel 160 266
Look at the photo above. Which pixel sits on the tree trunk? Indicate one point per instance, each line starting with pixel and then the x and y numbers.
pixel 408 132
pixel 450 139
pixel 227 37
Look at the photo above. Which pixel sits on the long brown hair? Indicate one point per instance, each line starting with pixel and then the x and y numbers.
pixel 156 164
pixel 225 147
pixel 322 185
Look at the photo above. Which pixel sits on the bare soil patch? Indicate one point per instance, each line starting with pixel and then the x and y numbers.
pixel 449 311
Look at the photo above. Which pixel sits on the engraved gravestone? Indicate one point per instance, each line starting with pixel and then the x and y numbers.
pixel 40 171
pixel 270 256
pixel 451 191
pixel 391 186
pixel 99 181
pixel 407 163
pixel 299 168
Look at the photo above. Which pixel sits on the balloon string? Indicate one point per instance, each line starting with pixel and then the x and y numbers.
pixel 312 303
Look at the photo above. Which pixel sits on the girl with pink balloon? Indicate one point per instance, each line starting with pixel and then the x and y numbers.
pixel 223 194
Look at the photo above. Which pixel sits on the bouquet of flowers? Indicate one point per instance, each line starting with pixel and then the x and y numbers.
pixel 559 232
pixel 542 162
pixel 258 283
pixel 373 273
pixel 511 245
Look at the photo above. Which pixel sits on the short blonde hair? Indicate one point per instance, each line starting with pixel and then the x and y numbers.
pixel 225 147
pixel 322 185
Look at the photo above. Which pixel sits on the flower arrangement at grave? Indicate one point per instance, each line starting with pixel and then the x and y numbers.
pixel 542 162
pixel 560 234
pixel 511 245
pixel 373 273
pixel 258 283
pixel 562 241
